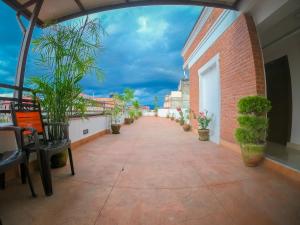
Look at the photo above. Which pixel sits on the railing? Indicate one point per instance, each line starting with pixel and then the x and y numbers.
pixel 96 109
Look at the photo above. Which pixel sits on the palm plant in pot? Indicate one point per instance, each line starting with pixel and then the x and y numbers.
pixel 203 123
pixel 66 53
pixel 252 132
pixel 116 112
pixel 131 114
pixel 136 107
pixel 127 98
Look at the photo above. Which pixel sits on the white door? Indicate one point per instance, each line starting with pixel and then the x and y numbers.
pixel 209 86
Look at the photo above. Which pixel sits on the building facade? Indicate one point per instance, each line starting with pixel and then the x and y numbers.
pixel 179 98
pixel 232 54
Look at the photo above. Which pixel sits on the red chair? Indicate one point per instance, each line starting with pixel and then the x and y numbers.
pixel 26 115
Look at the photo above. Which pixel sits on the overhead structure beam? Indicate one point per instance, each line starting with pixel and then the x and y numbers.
pixel 81 7
pixel 19 81
pixel 107 5
pixel 130 3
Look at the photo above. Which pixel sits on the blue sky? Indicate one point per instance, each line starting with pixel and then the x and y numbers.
pixel 141 49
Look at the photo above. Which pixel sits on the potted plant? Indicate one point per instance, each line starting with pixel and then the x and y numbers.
pixel 181 119
pixel 203 123
pixel 67 54
pixel 253 122
pixel 155 103
pixel 131 114
pixel 172 116
pixel 186 126
pixel 125 99
pixel 136 107
pixel 116 111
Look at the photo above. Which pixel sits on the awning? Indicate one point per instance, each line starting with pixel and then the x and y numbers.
pixel 55 11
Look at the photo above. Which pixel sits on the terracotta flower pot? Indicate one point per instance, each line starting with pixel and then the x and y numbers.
pixel 115 128
pixel 203 134
pixel 172 118
pixel 131 120
pixel 177 120
pixel 252 154
pixel 59 160
pixel 127 121
pixel 181 122
pixel 186 127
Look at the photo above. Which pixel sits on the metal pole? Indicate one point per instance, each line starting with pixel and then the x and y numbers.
pixel 24 49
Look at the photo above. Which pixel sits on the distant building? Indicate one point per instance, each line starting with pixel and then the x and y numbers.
pixel 179 98
pixel 184 88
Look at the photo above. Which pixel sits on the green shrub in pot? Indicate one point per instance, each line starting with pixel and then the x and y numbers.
pixel 66 53
pixel 253 122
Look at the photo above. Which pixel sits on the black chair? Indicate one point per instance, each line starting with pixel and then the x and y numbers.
pixel 15 157
pixel 29 115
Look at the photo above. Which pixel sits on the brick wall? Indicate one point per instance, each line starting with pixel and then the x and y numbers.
pixel 241 68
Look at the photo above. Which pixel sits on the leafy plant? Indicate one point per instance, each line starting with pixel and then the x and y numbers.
pixel 67 53
pixel 155 103
pixel 203 120
pixel 116 110
pixel 254 105
pixel 131 113
pixel 253 122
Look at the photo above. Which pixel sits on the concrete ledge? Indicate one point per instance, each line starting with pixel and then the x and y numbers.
pixel 278 167
pixel 82 141
pixel 293 146
pixel 282 169
pixel 233 146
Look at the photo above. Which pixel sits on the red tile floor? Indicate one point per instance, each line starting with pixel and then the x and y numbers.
pixel 154 173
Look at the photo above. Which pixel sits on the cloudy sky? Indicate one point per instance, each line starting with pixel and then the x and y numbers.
pixel 141 49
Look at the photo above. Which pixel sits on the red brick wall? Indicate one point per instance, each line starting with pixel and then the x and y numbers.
pixel 241 69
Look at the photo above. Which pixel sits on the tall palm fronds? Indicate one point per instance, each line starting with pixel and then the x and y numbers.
pixel 66 53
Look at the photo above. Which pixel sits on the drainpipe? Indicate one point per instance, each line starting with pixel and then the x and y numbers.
pixel 27 35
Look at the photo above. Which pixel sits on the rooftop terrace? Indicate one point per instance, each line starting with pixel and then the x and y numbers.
pixel 154 173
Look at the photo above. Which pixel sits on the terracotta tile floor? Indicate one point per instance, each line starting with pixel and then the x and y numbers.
pixel 153 173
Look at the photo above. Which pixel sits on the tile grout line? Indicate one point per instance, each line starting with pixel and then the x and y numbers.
pixel 113 186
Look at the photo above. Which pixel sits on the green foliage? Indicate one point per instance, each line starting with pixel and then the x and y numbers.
pixel 116 110
pixel 136 104
pixel 253 122
pixel 155 103
pixel 67 54
pixel 128 95
pixel 131 113
pixel 203 120
pixel 254 104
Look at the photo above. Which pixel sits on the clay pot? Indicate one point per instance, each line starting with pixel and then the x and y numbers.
pixel 253 154
pixel 115 128
pixel 203 134
pixel 186 127
pixel 127 121
pixel 172 118
pixel 181 122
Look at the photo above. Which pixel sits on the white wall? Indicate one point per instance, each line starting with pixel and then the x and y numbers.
pixel 93 124
pixel 290 47
pixel 162 112
pixel 148 113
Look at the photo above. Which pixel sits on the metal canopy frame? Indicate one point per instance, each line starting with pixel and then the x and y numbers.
pixel 22 10
pixel 27 35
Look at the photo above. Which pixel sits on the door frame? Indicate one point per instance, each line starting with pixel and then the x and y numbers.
pixel 290 99
pixel 214 62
